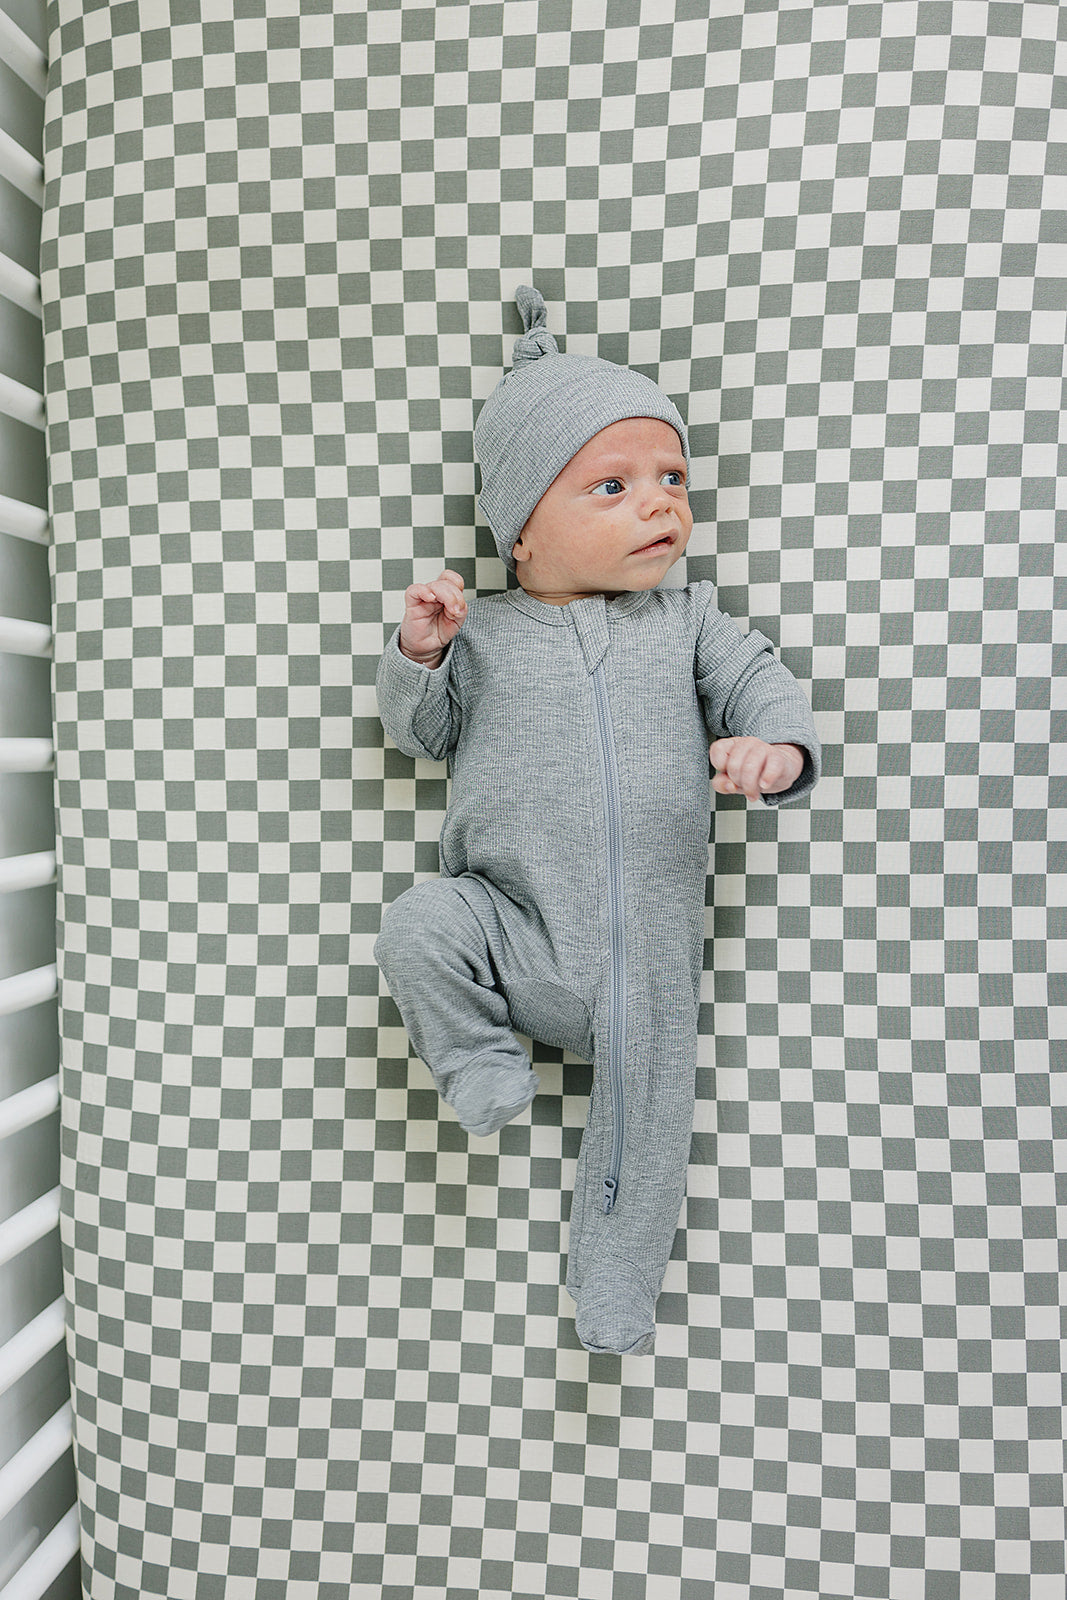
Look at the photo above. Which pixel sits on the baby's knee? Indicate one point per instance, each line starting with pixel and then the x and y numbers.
pixel 407 925
pixel 430 922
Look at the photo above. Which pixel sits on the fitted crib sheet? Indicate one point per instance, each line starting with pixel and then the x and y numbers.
pixel 318 1338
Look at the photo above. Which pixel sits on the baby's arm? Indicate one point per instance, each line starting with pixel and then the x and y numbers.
pixel 417 699
pixel 756 712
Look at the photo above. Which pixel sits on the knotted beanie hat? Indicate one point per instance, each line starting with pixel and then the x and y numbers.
pixel 542 412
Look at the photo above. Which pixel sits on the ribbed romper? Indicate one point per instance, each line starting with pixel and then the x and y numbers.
pixel 570 905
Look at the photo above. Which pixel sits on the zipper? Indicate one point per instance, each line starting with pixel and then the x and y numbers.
pixel 616 936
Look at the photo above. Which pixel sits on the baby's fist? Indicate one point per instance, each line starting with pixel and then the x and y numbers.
pixel 433 615
pixel 752 767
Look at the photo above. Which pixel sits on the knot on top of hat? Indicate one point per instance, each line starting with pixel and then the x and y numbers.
pixel 536 340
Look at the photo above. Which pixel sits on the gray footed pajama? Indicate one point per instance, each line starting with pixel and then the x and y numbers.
pixel 570 905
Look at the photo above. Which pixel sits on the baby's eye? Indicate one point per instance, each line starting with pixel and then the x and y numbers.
pixel 678 481
pixel 609 486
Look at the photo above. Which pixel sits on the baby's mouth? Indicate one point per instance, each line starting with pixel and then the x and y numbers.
pixel 663 543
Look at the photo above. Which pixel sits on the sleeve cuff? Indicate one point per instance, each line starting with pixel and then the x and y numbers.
pixel 416 671
pixel 809 775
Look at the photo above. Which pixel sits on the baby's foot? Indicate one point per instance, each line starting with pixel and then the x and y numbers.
pixel 488 1093
pixel 616 1313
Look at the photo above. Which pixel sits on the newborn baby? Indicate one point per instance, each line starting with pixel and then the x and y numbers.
pixel 575 713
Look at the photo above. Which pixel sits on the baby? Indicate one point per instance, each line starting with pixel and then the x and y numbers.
pixel 575 713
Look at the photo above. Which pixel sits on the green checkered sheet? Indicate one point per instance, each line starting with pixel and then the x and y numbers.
pixel 319 1341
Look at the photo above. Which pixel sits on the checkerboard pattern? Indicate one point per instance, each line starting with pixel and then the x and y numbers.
pixel 319 1343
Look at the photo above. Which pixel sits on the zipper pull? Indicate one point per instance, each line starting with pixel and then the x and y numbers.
pixel 610 1187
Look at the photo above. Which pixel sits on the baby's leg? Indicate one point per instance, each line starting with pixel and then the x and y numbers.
pixel 440 959
pixel 617 1260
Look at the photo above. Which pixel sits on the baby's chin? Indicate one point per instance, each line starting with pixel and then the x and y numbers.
pixel 648 580
pixel 648 574
pixel 625 578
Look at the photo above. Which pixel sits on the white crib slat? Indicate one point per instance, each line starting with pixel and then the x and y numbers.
pixel 24 521
pixel 20 53
pixel 32 1343
pixel 18 285
pixel 27 872
pixel 21 169
pixel 22 1110
pixel 21 403
pixel 21 637
pixel 35 1576
pixel 29 1465
pixel 25 1228
pixel 25 989
pixel 25 755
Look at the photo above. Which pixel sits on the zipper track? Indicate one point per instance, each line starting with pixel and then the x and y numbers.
pixel 616 936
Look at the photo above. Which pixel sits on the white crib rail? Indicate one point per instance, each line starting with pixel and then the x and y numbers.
pixel 40 1525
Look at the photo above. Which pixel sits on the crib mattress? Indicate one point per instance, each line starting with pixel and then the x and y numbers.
pixel 319 1342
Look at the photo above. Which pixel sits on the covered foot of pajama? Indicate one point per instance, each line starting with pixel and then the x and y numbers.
pixel 616 1314
pixel 489 1092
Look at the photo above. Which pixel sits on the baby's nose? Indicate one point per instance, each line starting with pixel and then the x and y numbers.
pixel 655 494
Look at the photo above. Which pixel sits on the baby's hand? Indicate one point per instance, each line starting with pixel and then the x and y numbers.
pixel 433 615
pixel 754 768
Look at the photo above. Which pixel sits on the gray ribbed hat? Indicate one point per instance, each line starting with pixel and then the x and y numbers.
pixel 542 412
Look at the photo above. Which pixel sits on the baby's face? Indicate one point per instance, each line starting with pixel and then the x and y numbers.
pixel 617 517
